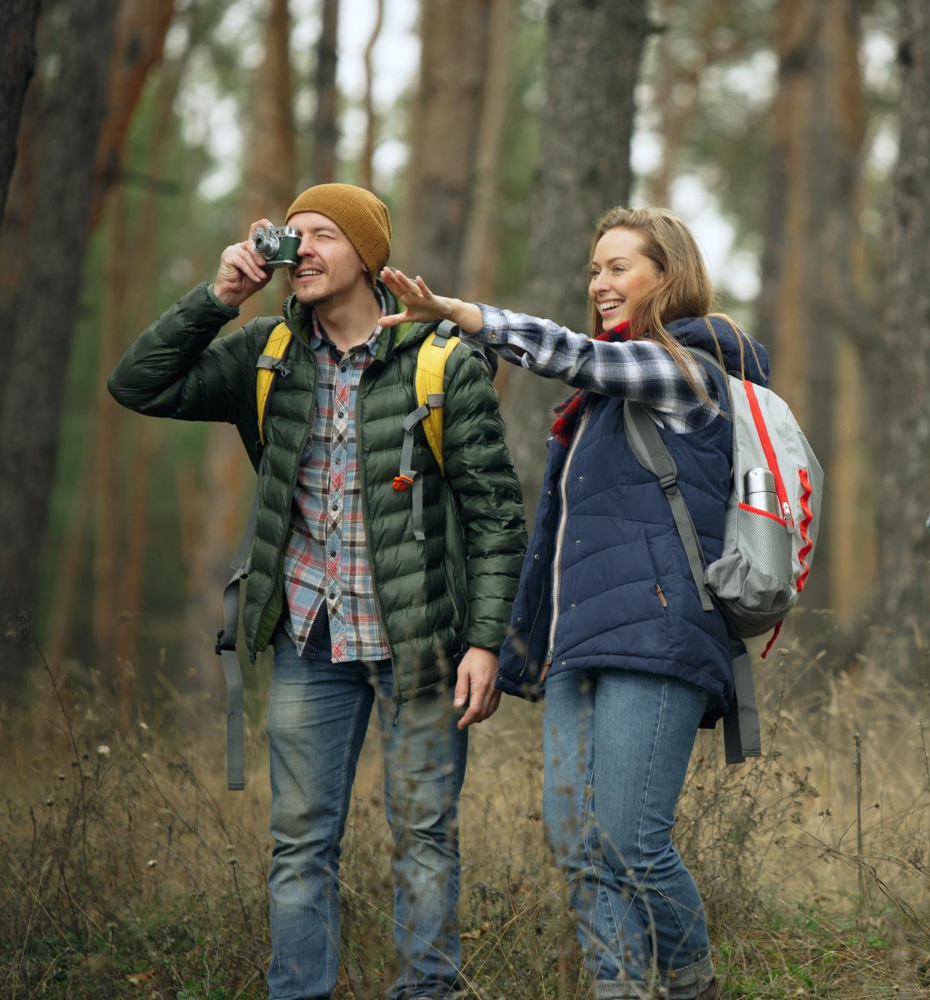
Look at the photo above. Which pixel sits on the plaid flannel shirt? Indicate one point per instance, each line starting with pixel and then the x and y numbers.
pixel 640 370
pixel 327 557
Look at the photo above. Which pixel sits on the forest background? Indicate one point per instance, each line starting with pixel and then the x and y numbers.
pixel 140 137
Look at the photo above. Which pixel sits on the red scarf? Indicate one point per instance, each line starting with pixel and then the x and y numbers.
pixel 564 426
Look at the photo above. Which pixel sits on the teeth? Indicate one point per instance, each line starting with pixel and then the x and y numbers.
pixel 607 306
pixel 304 274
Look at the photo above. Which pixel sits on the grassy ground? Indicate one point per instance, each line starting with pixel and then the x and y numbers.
pixel 126 870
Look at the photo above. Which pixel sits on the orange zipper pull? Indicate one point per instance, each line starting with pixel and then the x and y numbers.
pixel 661 594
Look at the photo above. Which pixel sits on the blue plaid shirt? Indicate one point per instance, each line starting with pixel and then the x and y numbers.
pixel 640 370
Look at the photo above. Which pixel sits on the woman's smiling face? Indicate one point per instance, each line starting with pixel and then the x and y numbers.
pixel 621 276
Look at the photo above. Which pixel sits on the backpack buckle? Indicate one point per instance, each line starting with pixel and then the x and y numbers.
pixel 282 368
pixel 402 483
pixel 221 646
pixel 669 484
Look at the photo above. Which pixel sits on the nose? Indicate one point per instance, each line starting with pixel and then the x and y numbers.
pixel 598 284
pixel 306 247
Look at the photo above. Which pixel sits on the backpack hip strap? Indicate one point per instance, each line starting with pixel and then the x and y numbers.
pixel 226 640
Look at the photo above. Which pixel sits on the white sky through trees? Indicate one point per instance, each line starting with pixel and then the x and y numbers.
pixel 214 119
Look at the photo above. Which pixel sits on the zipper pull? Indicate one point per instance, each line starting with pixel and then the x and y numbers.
pixel 789 517
pixel 661 594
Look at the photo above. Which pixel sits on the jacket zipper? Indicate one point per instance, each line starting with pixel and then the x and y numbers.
pixel 303 445
pixel 560 540
pixel 529 635
pixel 371 565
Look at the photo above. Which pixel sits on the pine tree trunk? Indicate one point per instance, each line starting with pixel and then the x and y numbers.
pixel 17 63
pixel 480 249
pixel 592 64
pixel 43 308
pixel 900 373
pixel 228 478
pixel 812 235
pixel 326 123
pixel 446 122
pixel 371 117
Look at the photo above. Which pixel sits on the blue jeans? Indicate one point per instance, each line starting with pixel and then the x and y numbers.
pixel 616 747
pixel 317 718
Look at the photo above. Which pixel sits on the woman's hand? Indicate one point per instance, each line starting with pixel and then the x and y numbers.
pixel 421 306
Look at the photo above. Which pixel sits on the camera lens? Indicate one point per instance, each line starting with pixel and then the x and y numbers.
pixel 267 246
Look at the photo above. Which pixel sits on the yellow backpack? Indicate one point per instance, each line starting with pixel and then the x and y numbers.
pixel 428 383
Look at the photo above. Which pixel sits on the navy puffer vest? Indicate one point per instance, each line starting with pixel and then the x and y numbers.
pixel 626 597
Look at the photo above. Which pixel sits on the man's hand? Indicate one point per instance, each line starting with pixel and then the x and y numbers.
pixel 241 272
pixel 421 306
pixel 475 685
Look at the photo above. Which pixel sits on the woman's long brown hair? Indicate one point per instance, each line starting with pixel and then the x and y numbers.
pixel 684 289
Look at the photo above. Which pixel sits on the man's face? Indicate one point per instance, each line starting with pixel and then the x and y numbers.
pixel 328 266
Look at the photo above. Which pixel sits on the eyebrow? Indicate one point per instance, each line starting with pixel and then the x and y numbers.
pixel 612 260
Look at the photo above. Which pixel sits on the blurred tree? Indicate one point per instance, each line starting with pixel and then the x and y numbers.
pixel 444 136
pixel 900 371
pixel 808 292
pixel 42 309
pixel 326 122
pixel 269 182
pixel 17 62
pixel 371 118
pixel 593 56
pixel 481 243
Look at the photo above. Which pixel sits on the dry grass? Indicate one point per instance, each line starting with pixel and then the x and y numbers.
pixel 126 870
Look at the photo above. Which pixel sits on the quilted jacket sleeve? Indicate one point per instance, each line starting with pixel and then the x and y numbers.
pixel 176 369
pixel 483 481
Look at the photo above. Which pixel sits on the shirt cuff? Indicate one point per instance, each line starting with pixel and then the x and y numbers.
pixel 494 330
pixel 231 311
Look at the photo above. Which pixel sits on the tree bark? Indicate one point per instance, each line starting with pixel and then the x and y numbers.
pixel 480 253
pixel 446 122
pixel 901 374
pixel 326 124
pixel 371 117
pixel 592 64
pixel 271 175
pixel 43 308
pixel 18 20
pixel 812 235
pixel 140 41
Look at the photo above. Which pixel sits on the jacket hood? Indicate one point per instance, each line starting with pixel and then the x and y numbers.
pixel 693 332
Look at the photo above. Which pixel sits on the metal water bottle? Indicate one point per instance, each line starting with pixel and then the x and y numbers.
pixel 760 490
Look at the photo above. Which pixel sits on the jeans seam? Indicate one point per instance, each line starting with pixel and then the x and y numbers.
pixel 333 967
pixel 649 883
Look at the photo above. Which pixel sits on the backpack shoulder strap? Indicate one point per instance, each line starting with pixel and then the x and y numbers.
pixel 428 383
pixel 431 367
pixel 651 453
pixel 270 362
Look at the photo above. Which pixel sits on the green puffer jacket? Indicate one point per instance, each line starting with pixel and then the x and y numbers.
pixel 436 597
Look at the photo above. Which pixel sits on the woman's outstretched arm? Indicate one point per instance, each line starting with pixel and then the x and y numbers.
pixel 640 370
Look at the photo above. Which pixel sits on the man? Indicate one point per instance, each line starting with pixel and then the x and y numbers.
pixel 359 612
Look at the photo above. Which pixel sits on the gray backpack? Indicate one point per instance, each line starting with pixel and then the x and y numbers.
pixel 773 514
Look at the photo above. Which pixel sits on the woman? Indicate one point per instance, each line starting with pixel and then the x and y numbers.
pixel 608 617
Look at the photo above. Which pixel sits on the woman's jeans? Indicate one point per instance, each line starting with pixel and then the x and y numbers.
pixel 317 719
pixel 616 747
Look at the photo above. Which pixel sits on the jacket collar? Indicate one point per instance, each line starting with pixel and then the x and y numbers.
pixel 300 321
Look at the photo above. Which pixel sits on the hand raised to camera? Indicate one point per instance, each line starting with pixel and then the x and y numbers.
pixel 241 272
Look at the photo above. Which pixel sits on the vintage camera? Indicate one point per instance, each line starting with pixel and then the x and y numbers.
pixel 277 244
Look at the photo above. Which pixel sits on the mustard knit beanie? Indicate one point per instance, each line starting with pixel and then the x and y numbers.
pixel 358 213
